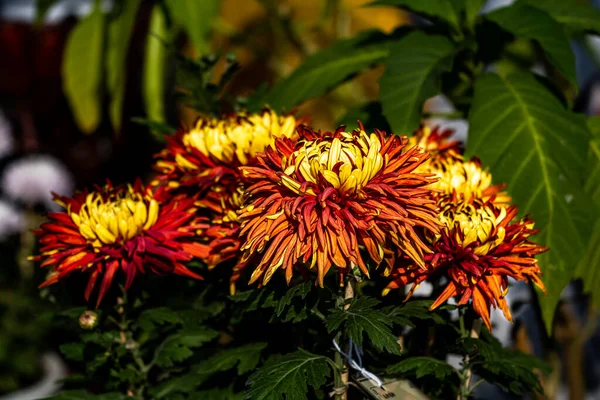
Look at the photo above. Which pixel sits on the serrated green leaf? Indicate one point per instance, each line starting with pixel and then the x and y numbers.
pixel 301 290
pixel 72 351
pixel 422 366
pixel 245 357
pixel 530 141
pixel 413 74
pixel 437 9
pixel 157 316
pixel 154 70
pixel 119 34
pixel 573 14
pixel 323 71
pixel 288 376
pixel 412 310
pixel 196 18
pixel 177 347
pixel 528 22
pixel 82 69
pixel 362 317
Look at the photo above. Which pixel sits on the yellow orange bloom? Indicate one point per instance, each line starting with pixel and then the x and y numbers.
pixel 436 141
pixel 478 249
pixel 206 159
pixel 125 227
pixel 322 200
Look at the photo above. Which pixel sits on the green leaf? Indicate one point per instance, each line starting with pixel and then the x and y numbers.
pixel 472 8
pixel 82 70
pixel 422 366
pixel 528 22
pixel 413 74
pixel 412 310
pixel 530 141
pixel 361 317
pixel 177 347
pixel 196 18
pixel 510 369
pixel 119 34
pixel 301 290
pixel 83 395
pixel 371 116
pixel 589 267
pixel 154 68
pixel 575 15
pixel 149 319
pixel 436 9
pixel 288 376
pixel 217 394
pixel 323 71
pixel 72 351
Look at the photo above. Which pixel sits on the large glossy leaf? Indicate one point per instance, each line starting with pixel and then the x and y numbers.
pixel 437 9
pixel 532 23
pixel 119 33
pixel 82 70
pixel 413 74
pixel 322 72
pixel 589 267
pixel 154 67
pixel 575 15
pixel 529 140
pixel 196 18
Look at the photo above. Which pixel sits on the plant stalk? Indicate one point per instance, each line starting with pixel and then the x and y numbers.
pixel 342 379
pixel 466 376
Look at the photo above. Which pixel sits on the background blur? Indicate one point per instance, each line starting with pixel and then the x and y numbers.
pixel 67 121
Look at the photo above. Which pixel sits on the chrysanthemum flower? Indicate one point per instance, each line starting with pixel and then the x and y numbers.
pixel 123 227
pixel 436 141
pixel 205 161
pixel 478 249
pixel 320 201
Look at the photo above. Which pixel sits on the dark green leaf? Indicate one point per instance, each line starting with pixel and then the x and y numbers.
pixel 119 34
pixel 300 290
pixel 72 351
pixel 528 22
pixel 412 74
pixel 217 394
pixel 371 116
pixel 82 69
pixel 529 140
pixel 83 395
pixel 288 376
pixel 157 316
pixel 197 19
pixel 177 347
pixel 412 310
pixel 245 357
pixel 472 8
pixel 361 317
pixel 323 71
pixel 575 15
pixel 436 9
pixel 422 366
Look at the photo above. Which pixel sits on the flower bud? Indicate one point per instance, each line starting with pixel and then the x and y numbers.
pixel 88 320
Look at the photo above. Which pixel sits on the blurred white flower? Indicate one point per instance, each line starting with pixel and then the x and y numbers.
pixel 12 220
pixel 442 105
pixel 32 178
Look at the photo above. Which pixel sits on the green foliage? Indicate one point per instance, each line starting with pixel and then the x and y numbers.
pixel 72 351
pixel 531 141
pixel 362 317
pixel 289 376
pixel 510 369
pixel 83 395
pixel 574 15
pixel 422 366
pixel 530 23
pixel 410 311
pixel 196 18
pixel 412 75
pixel 82 70
pixel 178 347
pixel 323 71
pixel 154 68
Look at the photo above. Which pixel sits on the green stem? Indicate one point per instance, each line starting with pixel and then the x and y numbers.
pixel 339 363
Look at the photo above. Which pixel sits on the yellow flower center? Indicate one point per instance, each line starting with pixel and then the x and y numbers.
pixel 347 163
pixel 122 217
pixel 466 178
pixel 473 222
pixel 241 137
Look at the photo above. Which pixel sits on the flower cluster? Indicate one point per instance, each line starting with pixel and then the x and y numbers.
pixel 268 194
pixel 481 243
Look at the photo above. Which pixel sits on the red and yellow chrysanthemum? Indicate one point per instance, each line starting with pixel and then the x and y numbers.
pixel 205 161
pixel 437 142
pixel 478 249
pixel 128 228
pixel 320 201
